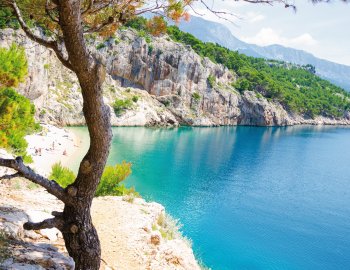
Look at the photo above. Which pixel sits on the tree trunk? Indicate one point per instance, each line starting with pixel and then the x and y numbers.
pixel 75 222
pixel 80 236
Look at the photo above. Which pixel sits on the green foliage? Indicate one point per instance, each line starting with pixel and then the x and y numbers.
pixel 7 20
pixel 150 49
pixel 47 66
pixel 27 158
pixel 120 106
pixel 242 84
pixel 211 80
pixel 63 176
pixel 110 184
pixel 100 46
pixel 135 98
pixel 16 111
pixel 42 112
pixel 111 178
pixel 168 227
pixel 196 96
pixel 16 121
pixel 138 23
pixel 13 66
pixel 297 88
pixel 148 39
pixel 143 33
pixel 166 103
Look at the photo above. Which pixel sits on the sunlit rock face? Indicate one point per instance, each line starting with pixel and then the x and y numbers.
pixel 173 85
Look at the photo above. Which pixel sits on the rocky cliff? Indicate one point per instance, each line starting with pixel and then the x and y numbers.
pixel 165 83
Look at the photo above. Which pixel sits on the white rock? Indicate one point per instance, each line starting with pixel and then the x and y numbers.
pixel 38 216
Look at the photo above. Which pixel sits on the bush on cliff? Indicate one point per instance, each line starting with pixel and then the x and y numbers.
pixel 110 184
pixel 121 105
pixel 111 180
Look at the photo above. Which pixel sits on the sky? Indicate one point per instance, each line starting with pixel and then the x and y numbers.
pixel 322 29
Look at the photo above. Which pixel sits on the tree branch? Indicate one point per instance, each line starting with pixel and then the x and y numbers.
pixel 45 224
pixel 52 44
pixel 51 186
pixel 10 176
pixel 48 12
pixel 91 3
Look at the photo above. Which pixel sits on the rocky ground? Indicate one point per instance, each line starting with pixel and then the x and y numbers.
pixel 134 234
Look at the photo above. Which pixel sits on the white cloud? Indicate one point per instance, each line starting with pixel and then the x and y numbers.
pixel 253 17
pixel 268 36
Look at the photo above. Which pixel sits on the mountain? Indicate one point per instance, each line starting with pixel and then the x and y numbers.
pixel 177 79
pixel 217 33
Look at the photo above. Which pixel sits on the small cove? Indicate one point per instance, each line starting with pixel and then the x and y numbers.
pixel 248 197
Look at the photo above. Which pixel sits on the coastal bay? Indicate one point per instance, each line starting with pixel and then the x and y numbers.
pixel 264 198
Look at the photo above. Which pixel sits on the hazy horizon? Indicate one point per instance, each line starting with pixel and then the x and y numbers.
pixel 318 29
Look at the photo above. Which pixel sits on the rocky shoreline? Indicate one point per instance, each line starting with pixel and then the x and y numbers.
pixel 137 245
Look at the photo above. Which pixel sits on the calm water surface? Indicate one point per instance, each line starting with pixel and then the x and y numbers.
pixel 248 197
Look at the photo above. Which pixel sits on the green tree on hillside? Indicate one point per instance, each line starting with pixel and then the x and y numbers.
pixel 297 88
pixel 16 111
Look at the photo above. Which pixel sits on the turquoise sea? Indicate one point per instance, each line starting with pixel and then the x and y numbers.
pixel 248 197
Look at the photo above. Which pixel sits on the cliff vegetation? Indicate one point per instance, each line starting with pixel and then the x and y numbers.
pixel 296 87
pixel 16 111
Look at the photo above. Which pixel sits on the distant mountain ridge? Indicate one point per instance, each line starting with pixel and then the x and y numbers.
pixel 209 31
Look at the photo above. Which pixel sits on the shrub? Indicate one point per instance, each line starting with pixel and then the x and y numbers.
pixel 150 49
pixel 148 39
pixel 211 80
pixel 111 178
pixel 100 46
pixel 135 98
pixel 7 19
pixel 110 181
pixel 242 85
pixel 42 113
pixel 63 176
pixel 196 96
pixel 142 33
pixel 166 103
pixel 27 159
pixel 16 121
pixel 168 227
pixel 13 66
pixel 16 111
pixel 120 106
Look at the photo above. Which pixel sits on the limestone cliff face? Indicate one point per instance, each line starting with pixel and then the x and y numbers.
pixel 172 83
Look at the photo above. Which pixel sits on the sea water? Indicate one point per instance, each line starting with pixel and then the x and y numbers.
pixel 248 197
